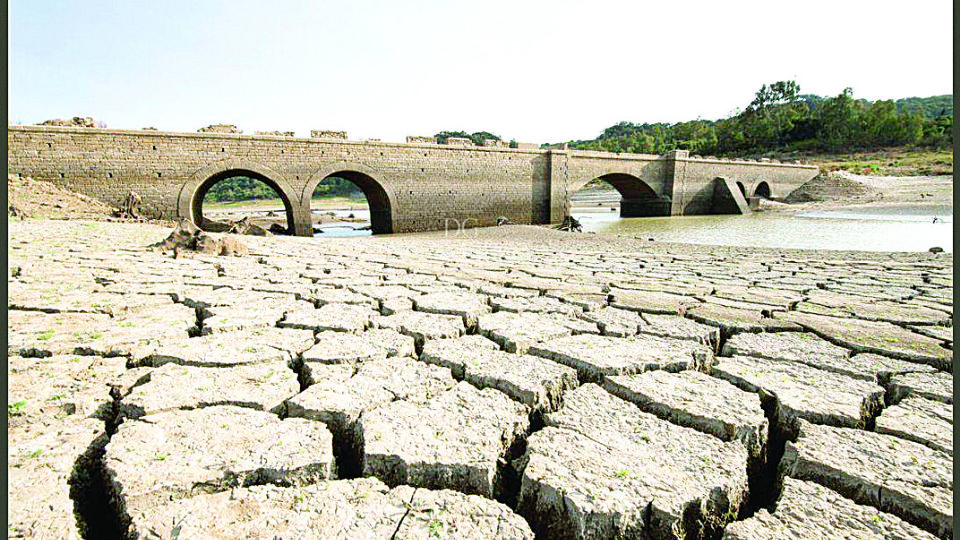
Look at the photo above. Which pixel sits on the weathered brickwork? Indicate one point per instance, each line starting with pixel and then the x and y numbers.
pixel 410 186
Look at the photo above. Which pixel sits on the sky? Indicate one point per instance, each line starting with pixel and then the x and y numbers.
pixel 528 70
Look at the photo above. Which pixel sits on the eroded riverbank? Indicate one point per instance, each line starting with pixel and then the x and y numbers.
pixel 483 385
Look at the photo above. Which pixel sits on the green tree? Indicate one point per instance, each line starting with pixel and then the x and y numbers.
pixel 837 121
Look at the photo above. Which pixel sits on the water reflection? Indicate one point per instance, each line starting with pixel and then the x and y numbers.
pixel 862 229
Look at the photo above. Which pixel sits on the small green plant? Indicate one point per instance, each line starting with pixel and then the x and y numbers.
pixel 45 335
pixel 434 528
pixel 36 453
pixel 161 456
pixel 16 408
pixel 56 397
pixel 623 473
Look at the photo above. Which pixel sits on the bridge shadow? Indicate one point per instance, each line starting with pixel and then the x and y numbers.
pixel 637 198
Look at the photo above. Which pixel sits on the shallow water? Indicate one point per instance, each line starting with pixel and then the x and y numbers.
pixel 345 229
pixel 880 228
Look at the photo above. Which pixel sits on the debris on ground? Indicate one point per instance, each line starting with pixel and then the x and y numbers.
pixel 187 236
pixel 570 224
pixel 131 208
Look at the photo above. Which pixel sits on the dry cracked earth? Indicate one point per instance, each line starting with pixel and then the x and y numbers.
pixel 517 382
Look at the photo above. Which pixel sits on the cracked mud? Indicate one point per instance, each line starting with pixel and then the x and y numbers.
pixel 519 383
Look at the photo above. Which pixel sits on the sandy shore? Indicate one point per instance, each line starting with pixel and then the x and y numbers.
pixel 492 384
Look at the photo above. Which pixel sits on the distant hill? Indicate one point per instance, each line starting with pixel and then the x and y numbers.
pixel 781 119
pixel 930 107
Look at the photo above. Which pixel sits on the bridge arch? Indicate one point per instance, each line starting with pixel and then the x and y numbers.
pixel 762 190
pixel 637 198
pixel 380 200
pixel 190 199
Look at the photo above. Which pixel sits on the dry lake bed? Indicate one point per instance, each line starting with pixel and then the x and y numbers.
pixel 498 383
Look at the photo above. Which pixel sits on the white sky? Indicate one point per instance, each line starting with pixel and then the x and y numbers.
pixel 534 71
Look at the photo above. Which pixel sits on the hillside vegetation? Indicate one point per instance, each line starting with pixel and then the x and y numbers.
pixel 781 122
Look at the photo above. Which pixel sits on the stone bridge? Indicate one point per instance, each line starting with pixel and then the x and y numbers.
pixel 409 186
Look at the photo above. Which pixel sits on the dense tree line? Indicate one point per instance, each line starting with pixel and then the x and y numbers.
pixel 780 119
pixel 242 188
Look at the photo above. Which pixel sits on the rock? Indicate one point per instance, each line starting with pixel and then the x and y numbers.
pixel 806 348
pixel 871 308
pixel 937 386
pixel 492 289
pixel 38 334
pixel 232 247
pixel 258 386
pixel 604 469
pixel 805 392
pixel 227 348
pixel 450 514
pixel 615 322
pixel 921 420
pixel 595 357
pixel 699 401
pixel 338 399
pixel 42 392
pixel 392 306
pixel 337 317
pixel 731 320
pixel 672 326
pixel 341 347
pixel 936 249
pixel 238 318
pixel 176 454
pixel 56 408
pixel 539 304
pixel 808 510
pixel 874 337
pixel 651 301
pixel 536 382
pixel 328 295
pixel 904 478
pixel 467 305
pixel 516 332
pixel 187 236
pixel 94 334
pixel 792 346
pixel 245 226
pixel 42 464
pixel 424 326
pixel 361 508
pixel 454 440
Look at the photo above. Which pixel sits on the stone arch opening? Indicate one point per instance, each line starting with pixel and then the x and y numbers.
pixel 762 190
pixel 743 190
pixel 637 198
pixel 377 200
pixel 250 186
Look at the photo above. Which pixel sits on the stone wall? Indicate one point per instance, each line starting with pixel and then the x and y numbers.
pixel 323 134
pixel 426 188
